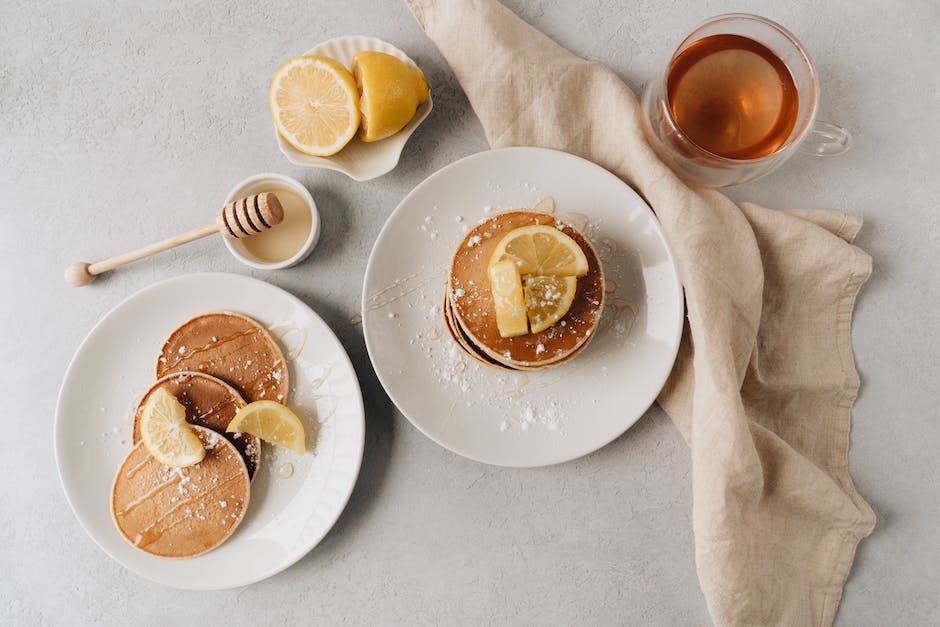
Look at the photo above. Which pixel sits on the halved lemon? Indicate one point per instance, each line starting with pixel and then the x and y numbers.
pixel 166 434
pixel 506 286
pixel 272 422
pixel 390 91
pixel 541 250
pixel 548 299
pixel 315 104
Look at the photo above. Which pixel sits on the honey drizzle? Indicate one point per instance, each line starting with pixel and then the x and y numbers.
pixel 288 329
pixel 377 302
pixel 148 536
pixel 258 383
pixel 196 351
pixel 147 495
pixel 201 418
pixel 133 471
pixel 255 385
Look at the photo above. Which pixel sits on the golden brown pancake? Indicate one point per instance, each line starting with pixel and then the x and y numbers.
pixel 181 512
pixel 230 347
pixel 472 301
pixel 211 403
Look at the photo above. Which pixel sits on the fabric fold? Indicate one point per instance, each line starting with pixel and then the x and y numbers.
pixel 765 379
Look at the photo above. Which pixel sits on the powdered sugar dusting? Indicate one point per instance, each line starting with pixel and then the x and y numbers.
pixel 520 403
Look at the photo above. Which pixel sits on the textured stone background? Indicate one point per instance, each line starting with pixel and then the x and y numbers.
pixel 120 123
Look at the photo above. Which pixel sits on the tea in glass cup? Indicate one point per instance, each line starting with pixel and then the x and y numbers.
pixel 738 97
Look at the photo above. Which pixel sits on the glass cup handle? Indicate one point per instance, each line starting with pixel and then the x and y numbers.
pixel 825 140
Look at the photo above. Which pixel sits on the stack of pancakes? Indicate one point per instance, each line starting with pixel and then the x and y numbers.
pixel 469 310
pixel 214 365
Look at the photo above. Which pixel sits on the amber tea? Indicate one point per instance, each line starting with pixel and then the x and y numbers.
pixel 737 99
pixel 732 96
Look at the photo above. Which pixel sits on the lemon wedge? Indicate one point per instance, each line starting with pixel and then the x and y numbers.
pixel 506 286
pixel 548 299
pixel 315 104
pixel 166 434
pixel 272 422
pixel 390 91
pixel 541 250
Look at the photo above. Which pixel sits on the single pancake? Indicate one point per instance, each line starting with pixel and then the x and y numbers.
pixel 230 347
pixel 472 301
pixel 211 403
pixel 180 512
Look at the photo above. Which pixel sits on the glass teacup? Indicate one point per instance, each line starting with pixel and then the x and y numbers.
pixel 738 97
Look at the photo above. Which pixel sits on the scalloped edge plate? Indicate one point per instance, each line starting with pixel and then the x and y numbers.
pixel 358 160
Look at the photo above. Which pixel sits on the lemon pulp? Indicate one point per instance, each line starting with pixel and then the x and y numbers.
pixel 315 104
pixel 541 250
pixel 166 434
pixel 272 422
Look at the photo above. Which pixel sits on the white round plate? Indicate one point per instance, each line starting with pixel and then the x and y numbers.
pixel 359 160
pixel 532 418
pixel 286 517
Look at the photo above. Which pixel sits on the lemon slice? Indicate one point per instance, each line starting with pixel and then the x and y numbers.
pixel 166 434
pixel 272 422
pixel 541 250
pixel 548 299
pixel 315 104
pixel 506 286
pixel 390 92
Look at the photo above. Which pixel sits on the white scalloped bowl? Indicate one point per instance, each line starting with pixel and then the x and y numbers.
pixel 359 160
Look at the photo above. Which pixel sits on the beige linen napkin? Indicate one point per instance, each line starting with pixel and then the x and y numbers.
pixel 765 379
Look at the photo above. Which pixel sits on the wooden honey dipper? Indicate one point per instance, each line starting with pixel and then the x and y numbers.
pixel 240 218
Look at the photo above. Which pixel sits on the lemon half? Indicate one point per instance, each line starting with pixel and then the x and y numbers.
pixel 315 104
pixel 390 92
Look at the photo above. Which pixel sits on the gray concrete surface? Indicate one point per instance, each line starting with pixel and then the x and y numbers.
pixel 120 122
